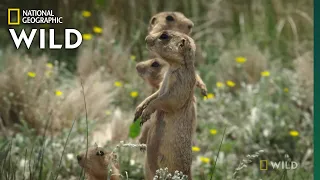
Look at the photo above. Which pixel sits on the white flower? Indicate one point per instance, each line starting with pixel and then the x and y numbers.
pixel 132 162
pixel 23 162
pixel 70 156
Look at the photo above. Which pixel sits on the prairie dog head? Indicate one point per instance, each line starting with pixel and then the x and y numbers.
pixel 98 161
pixel 170 21
pixel 172 46
pixel 152 71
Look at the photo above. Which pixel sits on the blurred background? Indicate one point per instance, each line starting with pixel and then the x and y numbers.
pixel 256 58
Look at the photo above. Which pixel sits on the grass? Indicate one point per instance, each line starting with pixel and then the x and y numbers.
pixel 260 107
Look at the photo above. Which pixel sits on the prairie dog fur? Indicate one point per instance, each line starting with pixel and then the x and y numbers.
pixel 169 140
pixel 98 163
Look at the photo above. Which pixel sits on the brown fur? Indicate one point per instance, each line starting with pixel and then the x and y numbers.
pixel 169 140
pixel 179 23
pixel 153 71
pixel 98 163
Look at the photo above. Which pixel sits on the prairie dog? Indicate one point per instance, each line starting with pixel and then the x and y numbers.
pixel 169 140
pixel 174 21
pixel 153 71
pixel 98 163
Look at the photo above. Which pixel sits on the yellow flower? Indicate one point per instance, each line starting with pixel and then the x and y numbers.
pixel 294 133
pixel 48 73
pixel 195 149
pixel 134 94
pixel 204 159
pixel 219 84
pixel 49 65
pixel 133 57
pixel 97 29
pixel 58 93
pixel 231 83
pixel 241 60
pixel 32 74
pixel 265 73
pixel 209 96
pixel 118 84
pixel 86 36
pixel 213 131
pixel 108 112
pixel 86 13
pixel 286 90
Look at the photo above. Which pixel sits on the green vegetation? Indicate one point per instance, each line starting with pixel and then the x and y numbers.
pixel 256 59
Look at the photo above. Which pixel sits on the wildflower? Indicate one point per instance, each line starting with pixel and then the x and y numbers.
pixel 70 156
pixel 241 59
pixel 108 112
pixel 97 29
pixel 294 133
pixel 265 73
pixel 209 96
pixel 133 57
pixel 118 84
pixel 231 83
pixel 195 149
pixel 219 84
pixel 134 94
pixel 32 74
pixel 86 14
pixel 213 131
pixel 58 93
pixel 49 65
pixel 204 159
pixel 86 36
pixel 23 162
pixel 132 162
pixel 286 90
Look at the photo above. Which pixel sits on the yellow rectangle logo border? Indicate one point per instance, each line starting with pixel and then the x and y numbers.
pixel 266 164
pixel 18 16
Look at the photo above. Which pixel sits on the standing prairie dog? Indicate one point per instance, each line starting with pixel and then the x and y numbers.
pixel 174 21
pixel 153 71
pixel 169 140
pixel 98 163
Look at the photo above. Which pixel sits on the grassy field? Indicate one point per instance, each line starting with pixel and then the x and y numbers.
pixel 256 60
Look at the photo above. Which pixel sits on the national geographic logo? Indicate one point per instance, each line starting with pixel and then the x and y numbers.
pixel 278 165
pixel 15 16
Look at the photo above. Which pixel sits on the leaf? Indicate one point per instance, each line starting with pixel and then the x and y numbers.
pixel 135 129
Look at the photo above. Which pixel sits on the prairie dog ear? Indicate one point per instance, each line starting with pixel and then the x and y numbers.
pixel 182 43
pixel 152 22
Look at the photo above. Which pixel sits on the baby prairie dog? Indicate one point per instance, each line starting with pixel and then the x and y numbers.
pixel 98 164
pixel 169 140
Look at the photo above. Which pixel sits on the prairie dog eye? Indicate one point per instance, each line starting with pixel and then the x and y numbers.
pixel 164 36
pixel 169 18
pixel 155 64
pixel 100 153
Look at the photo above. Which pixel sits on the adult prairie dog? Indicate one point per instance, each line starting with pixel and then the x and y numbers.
pixel 169 140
